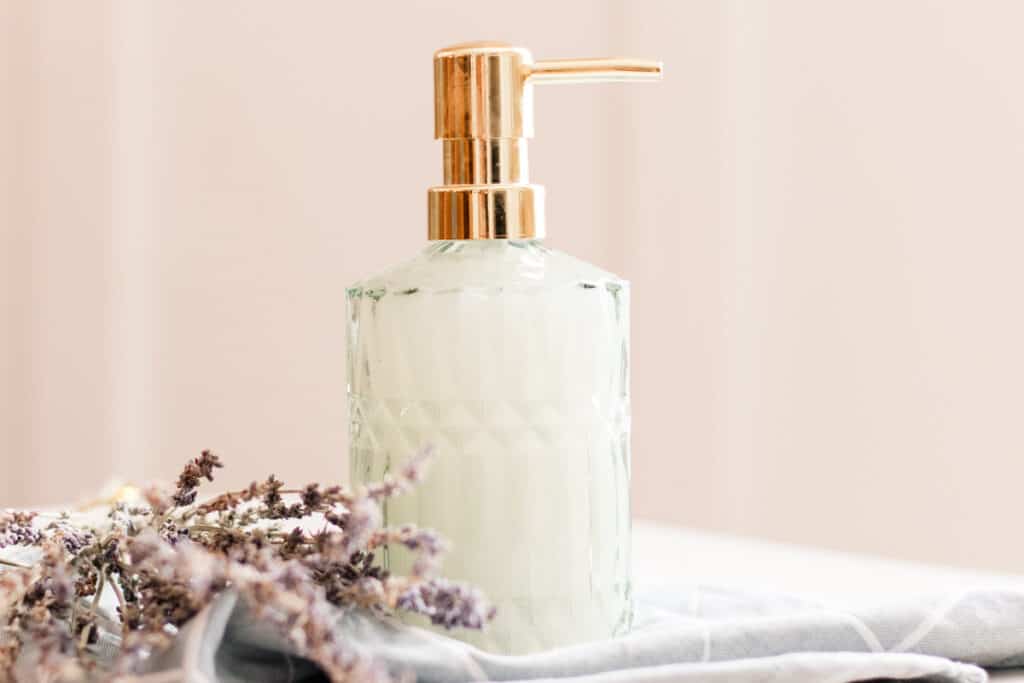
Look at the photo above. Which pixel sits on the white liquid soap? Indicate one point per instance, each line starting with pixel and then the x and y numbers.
pixel 512 361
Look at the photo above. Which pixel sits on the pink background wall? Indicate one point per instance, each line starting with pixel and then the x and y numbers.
pixel 820 210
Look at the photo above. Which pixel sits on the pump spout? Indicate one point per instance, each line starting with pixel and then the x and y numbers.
pixel 483 113
pixel 606 70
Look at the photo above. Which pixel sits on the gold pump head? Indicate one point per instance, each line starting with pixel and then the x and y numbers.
pixel 483 114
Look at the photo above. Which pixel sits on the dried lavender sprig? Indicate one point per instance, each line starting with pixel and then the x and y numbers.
pixel 313 497
pixel 17 528
pixel 42 599
pixel 167 561
pixel 427 545
pixel 409 474
pixel 447 604
pixel 192 475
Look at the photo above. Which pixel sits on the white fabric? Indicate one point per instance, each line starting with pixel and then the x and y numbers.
pixel 753 629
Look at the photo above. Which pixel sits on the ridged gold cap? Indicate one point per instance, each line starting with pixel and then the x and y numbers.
pixel 483 113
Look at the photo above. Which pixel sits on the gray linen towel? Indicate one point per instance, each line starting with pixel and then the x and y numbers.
pixel 681 636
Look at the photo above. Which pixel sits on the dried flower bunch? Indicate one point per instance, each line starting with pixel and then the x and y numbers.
pixel 167 559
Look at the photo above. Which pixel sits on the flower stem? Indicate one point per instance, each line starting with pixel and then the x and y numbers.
pixel 122 604
pixel 16 565
pixel 100 584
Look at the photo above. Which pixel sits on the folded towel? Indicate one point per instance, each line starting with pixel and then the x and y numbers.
pixel 684 635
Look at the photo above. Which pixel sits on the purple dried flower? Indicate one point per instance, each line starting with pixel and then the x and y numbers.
pixel 74 538
pixel 185 496
pixel 170 532
pixel 416 539
pixel 362 521
pixel 165 564
pixel 447 604
pixel 37 610
pixel 272 495
pixel 207 462
pixel 415 469
pixel 312 497
pixel 16 528
pixel 410 474
pixel 192 474
pixel 426 543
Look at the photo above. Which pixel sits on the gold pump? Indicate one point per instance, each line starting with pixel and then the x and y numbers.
pixel 483 114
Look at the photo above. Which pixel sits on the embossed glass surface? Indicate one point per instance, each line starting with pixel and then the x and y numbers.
pixel 512 361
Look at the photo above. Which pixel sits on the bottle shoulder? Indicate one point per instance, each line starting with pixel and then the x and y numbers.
pixel 447 265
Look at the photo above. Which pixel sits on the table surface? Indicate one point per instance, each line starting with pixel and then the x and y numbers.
pixel 661 554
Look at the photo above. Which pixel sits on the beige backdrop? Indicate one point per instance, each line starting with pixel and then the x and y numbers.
pixel 820 210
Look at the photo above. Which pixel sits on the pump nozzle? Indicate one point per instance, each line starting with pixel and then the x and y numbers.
pixel 607 70
pixel 483 113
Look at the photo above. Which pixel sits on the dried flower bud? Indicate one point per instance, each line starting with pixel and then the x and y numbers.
pixel 447 604
pixel 17 528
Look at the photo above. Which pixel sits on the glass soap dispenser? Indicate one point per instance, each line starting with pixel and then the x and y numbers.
pixel 511 360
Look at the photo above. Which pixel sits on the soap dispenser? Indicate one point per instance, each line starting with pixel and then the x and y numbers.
pixel 511 360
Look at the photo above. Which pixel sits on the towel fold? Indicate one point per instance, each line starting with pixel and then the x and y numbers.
pixel 682 635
